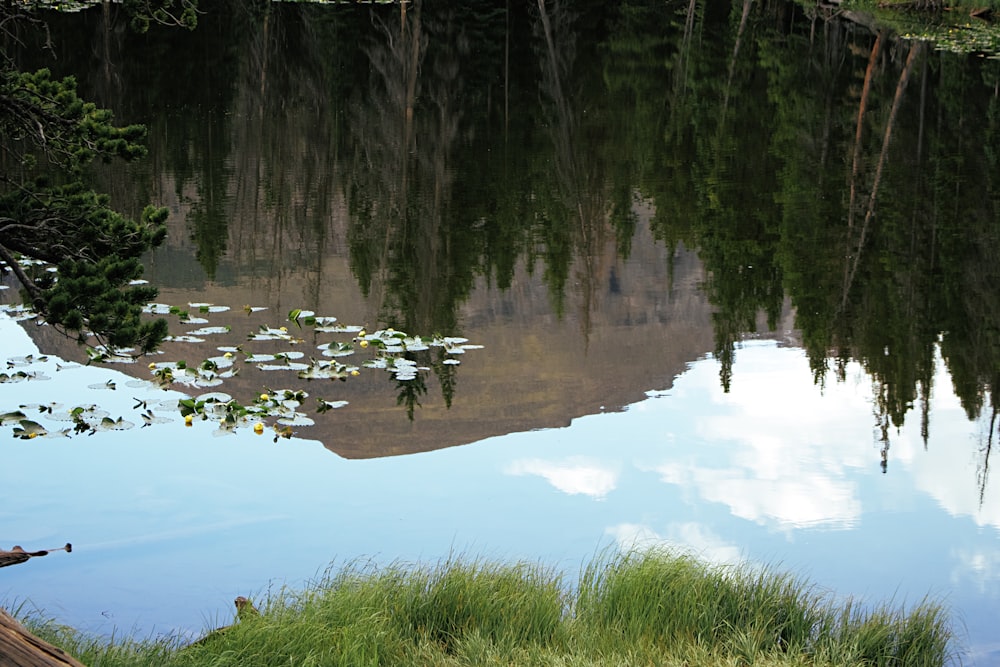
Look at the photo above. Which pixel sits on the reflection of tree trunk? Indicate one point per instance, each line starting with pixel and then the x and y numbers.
pixel 684 52
pixel 732 58
pixel 581 189
pixel 987 448
pixel 879 168
pixel 862 107
pixel 506 74
pixel 267 52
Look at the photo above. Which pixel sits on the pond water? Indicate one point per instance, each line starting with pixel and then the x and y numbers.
pixel 726 278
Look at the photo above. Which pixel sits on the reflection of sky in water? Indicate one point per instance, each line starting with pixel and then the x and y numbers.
pixel 169 523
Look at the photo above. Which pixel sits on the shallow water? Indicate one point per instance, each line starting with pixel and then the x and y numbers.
pixel 169 524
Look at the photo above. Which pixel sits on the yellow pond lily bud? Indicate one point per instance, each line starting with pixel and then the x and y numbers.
pixel 188 419
pixel 265 397
pixel 363 343
pixel 258 428
pixel 152 365
pixel 355 372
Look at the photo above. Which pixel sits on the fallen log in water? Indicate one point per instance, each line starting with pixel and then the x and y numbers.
pixel 18 555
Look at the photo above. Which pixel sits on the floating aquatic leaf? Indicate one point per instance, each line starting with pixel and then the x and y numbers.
pixel 336 349
pixel 108 424
pixel 288 366
pixel 214 397
pixel 29 429
pixel 320 370
pixel 298 316
pixel 208 331
pixel 329 405
pixel 296 420
pixel 138 281
pixel 27 360
pixel 11 417
pixel 325 321
pixel 149 418
pixel 218 362
pixel 451 362
pixel 110 384
pixel 414 344
pixel 349 328
pixel 267 333
pixel 184 339
pixel 21 376
pixel 18 313
pixel 139 384
pixel 258 358
pixel 157 308
pixel 195 320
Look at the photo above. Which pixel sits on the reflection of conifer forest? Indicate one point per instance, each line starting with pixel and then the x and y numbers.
pixel 849 172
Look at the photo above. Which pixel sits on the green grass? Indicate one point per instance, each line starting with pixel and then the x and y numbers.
pixel 642 608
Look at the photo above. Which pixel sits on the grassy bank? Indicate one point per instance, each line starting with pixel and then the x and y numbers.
pixel 646 608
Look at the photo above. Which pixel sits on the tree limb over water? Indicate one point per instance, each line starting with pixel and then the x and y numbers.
pixel 76 257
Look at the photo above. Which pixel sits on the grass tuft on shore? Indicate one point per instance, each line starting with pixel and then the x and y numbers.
pixel 633 608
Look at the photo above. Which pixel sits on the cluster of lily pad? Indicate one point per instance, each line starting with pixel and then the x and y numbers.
pixel 280 410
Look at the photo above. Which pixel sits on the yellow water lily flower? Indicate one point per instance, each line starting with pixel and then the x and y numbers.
pixel 265 397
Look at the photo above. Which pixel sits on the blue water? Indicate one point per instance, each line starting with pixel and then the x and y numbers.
pixel 170 523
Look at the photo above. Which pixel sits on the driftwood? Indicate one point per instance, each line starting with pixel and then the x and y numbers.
pixel 20 648
pixel 18 555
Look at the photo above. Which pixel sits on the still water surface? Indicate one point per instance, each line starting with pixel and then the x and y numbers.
pixel 710 316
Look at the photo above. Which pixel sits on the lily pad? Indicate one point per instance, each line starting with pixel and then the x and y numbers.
pixel 28 429
pixel 208 331
pixel 184 339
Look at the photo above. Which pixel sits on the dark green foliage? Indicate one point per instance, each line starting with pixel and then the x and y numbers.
pixel 43 115
pixel 50 213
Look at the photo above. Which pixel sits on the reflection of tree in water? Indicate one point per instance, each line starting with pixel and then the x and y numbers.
pixel 887 244
pixel 406 239
pixel 740 122
pixel 286 134
pixel 578 220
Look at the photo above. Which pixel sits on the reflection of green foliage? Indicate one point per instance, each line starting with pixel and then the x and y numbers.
pixel 739 133
pixel 408 393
